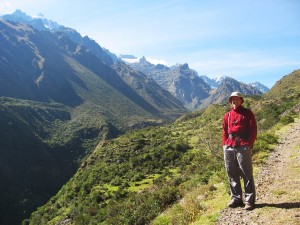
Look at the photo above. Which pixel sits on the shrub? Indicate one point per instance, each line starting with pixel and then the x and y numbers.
pixel 263 145
pixel 287 119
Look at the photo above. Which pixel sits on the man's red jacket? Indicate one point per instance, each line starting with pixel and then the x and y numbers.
pixel 239 122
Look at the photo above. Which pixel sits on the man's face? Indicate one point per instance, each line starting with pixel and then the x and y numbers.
pixel 236 102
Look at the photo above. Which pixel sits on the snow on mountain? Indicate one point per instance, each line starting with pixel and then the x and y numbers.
pixel 38 21
pixel 219 79
pixel 129 58
pixel 134 59
pixel 213 82
pixel 260 87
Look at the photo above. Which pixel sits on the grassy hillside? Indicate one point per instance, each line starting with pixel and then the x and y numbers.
pixel 140 173
pixel 42 145
pixel 161 175
pixel 134 178
pixel 287 87
pixel 279 103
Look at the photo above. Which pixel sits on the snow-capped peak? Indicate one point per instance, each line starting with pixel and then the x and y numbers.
pixel 219 79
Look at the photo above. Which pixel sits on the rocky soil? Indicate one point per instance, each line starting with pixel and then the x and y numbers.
pixel 277 186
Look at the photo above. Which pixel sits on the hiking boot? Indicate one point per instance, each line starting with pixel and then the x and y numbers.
pixel 248 206
pixel 234 203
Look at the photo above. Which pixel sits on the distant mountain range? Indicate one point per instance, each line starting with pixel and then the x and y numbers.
pixel 194 91
pixel 212 82
pixel 260 87
pixel 181 81
pixel 226 87
pixel 215 83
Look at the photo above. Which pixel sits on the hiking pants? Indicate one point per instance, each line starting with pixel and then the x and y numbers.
pixel 238 163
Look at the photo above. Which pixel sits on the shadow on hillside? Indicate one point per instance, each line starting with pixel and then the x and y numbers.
pixel 284 205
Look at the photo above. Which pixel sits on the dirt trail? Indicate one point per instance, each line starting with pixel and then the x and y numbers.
pixel 277 186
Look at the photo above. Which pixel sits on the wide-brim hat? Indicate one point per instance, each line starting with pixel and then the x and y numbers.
pixel 236 94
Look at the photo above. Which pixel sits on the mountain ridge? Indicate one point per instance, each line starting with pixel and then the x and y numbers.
pixel 181 81
pixel 194 91
pixel 42 67
pixel 192 99
pixel 226 87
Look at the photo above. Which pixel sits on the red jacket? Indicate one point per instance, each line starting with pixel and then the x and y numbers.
pixel 239 122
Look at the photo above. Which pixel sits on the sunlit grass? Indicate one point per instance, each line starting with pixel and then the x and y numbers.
pixel 145 183
pixel 199 205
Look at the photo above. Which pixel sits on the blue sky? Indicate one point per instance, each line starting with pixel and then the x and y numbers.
pixel 257 40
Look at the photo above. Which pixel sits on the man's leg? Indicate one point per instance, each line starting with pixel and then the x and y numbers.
pixel 245 163
pixel 233 172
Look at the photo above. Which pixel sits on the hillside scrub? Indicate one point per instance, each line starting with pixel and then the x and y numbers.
pixel 157 161
pixel 176 169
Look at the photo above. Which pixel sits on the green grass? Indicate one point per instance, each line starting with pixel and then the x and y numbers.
pixel 143 184
pixel 200 205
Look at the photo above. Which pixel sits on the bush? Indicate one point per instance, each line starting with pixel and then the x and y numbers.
pixel 287 119
pixel 263 145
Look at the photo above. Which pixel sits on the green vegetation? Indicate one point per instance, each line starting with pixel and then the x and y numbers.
pixel 134 178
pixel 140 173
pixel 287 87
pixel 157 175
pixel 176 169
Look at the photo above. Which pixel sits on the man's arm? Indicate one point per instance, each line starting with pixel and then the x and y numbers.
pixel 253 129
pixel 225 129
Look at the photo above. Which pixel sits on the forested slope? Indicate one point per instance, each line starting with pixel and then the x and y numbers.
pixel 176 169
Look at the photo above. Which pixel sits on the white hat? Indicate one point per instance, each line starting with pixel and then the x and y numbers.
pixel 236 94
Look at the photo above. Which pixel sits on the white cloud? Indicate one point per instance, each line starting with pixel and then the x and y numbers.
pixel 157 61
pixel 135 60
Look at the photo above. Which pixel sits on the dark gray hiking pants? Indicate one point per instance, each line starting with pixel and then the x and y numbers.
pixel 238 163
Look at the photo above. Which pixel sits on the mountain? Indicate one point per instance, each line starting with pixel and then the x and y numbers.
pixel 46 64
pixel 58 100
pixel 181 81
pixel 227 86
pixel 91 46
pixel 39 22
pixel 260 87
pixel 43 24
pixel 196 92
pixel 149 89
pixel 213 83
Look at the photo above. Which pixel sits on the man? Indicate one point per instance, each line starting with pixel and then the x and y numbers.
pixel 238 136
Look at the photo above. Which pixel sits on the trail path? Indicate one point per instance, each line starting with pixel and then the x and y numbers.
pixel 277 186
